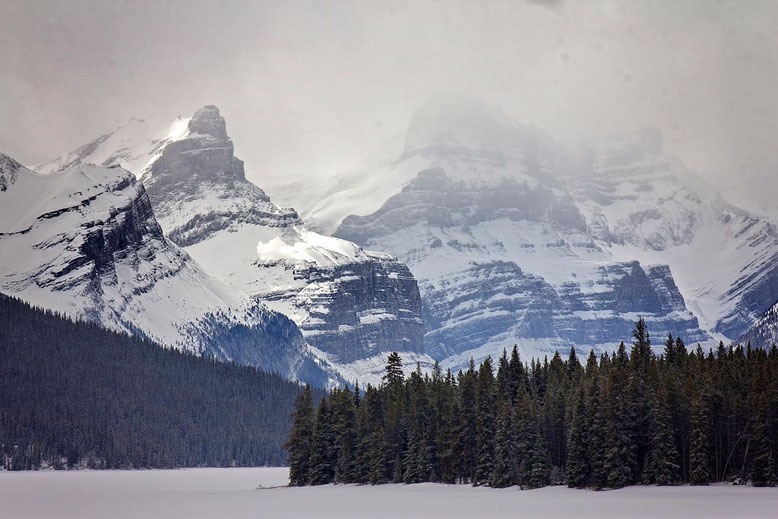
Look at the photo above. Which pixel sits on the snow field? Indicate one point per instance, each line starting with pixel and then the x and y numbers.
pixel 257 493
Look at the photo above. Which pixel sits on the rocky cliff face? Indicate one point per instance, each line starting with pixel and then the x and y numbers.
pixel 351 304
pixel 639 203
pixel 764 333
pixel 198 187
pixel 359 309
pixel 84 241
pixel 515 240
pixel 510 260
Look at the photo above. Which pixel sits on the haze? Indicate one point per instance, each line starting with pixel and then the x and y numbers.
pixel 309 88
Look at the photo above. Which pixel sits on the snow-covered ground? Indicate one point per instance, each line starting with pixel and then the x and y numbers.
pixel 238 493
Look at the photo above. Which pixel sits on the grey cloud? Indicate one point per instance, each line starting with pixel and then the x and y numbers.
pixel 308 87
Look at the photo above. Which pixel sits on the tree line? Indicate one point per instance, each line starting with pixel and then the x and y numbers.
pixel 625 418
pixel 73 394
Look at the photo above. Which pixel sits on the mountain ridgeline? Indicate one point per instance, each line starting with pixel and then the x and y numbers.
pixel 621 419
pixel 74 395
pixel 515 238
pixel 84 241
pixel 350 304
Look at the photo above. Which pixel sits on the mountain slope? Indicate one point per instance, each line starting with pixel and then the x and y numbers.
pixel 513 239
pixel 69 400
pixel 352 305
pixel 640 203
pixel 84 241
pixel 510 263
pixel 764 333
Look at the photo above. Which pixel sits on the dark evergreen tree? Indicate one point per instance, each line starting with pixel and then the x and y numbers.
pixel 378 454
pixel 669 351
pixel 467 430
pixel 300 439
pixel 394 371
pixel 485 423
pixel 445 442
pixel 578 470
pixel 664 466
pixel 516 373
pixel 699 457
pixel 323 449
pixel 540 475
pixel 524 430
pixel 503 379
pixel 763 464
pixel 504 473
pixel 619 461
pixel 345 430
pixel 598 436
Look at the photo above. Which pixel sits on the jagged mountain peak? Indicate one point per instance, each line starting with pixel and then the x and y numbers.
pixel 208 120
pixel 8 169
pixel 85 241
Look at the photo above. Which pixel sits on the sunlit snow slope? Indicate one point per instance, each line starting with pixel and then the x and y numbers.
pixel 515 240
pixel 84 241
pixel 351 304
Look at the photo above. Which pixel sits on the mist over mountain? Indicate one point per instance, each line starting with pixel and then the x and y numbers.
pixel 514 238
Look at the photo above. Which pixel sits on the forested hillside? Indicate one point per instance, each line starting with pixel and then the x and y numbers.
pixel 631 417
pixel 75 395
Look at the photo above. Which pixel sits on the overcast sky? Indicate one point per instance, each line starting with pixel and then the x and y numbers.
pixel 309 87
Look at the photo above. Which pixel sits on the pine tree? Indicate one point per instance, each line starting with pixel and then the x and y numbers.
pixel 578 470
pixel 641 351
pixel 378 454
pixel 541 470
pixel 445 442
pixel 412 472
pixel 485 422
pixel 664 466
pixel 524 429
pixel 393 377
pixel 699 460
pixel 763 464
pixel 669 352
pixel 516 373
pixel 323 447
pixel 503 379
pixel 300 439
pixel 466 424
pixel 345 430
pixel 361 469
pixel 598 438
pixel 573 365
pixel 620 452
pixel 503 474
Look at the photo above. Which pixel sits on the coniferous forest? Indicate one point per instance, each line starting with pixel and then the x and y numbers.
pixel 75 395
pixel 626 418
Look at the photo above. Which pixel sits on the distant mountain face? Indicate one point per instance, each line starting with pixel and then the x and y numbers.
pixel 84 241
pixel 764 333
pixel 514 240
pixel 352 305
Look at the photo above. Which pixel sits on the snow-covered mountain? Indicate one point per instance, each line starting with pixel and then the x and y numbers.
pixel 515 240
pixel 764 333
pixel 352 305
pixel 638 203
pixel 84 241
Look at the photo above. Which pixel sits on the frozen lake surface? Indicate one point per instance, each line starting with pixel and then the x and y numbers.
pixel 235 493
